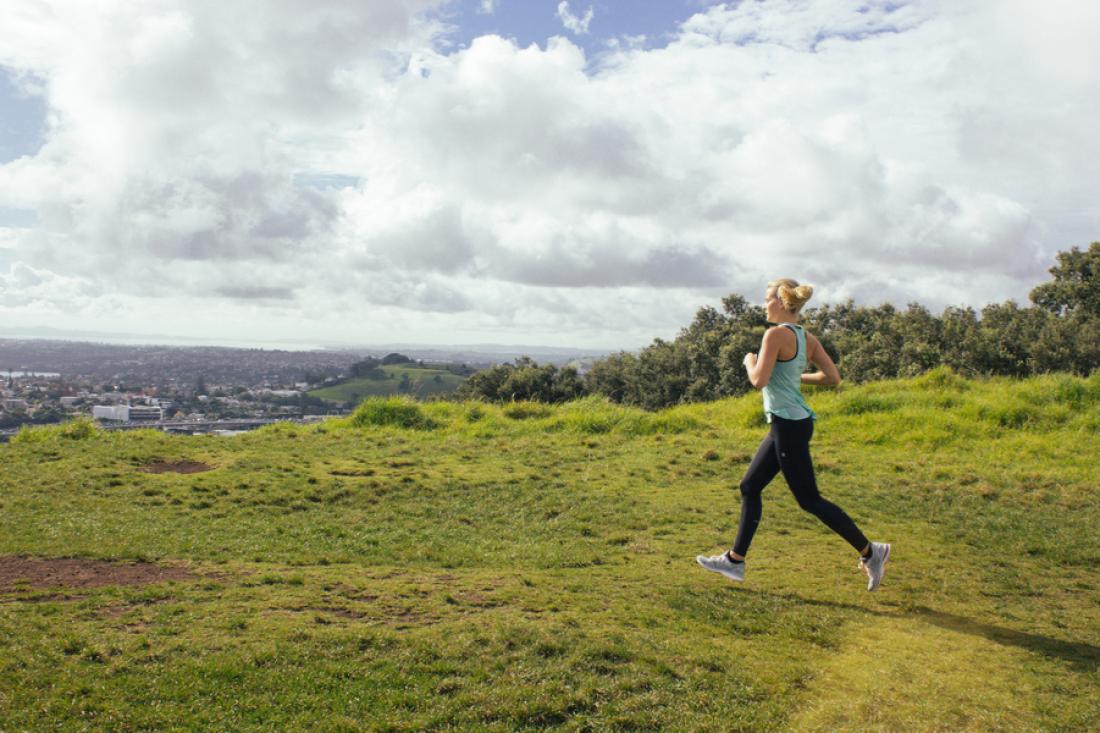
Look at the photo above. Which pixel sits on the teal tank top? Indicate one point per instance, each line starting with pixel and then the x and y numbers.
pixel 783 392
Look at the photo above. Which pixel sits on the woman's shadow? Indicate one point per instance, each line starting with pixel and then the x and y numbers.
pixel 1082 656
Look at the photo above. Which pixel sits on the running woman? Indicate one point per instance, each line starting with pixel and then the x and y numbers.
pixel 778 373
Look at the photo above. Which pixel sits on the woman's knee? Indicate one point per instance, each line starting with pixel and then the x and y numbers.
pixel 815 505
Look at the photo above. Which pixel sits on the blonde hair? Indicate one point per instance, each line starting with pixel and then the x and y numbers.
pixel 793 295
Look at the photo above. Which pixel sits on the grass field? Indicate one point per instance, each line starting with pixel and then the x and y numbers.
pixel 422 383
pixel 458 566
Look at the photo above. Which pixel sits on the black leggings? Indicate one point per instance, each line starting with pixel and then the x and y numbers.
pixel 787 448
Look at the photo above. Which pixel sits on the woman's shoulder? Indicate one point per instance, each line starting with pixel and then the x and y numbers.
pixel 791 328
pixel 779 330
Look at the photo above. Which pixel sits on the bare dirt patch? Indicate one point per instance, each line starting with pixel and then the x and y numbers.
pixel 176 467
pixel 77 572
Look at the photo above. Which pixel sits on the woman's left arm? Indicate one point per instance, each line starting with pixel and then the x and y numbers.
pixel 760 368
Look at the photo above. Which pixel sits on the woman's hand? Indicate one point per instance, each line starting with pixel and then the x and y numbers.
pixel 750 360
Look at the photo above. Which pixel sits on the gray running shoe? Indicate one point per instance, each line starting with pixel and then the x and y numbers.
pixel 721 564
pixel 875 566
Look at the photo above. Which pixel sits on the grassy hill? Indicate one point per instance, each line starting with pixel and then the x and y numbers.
pixel 459 566
pixel 422 383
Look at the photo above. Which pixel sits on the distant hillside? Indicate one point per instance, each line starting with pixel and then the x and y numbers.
pixel 421 382
pixel 153 363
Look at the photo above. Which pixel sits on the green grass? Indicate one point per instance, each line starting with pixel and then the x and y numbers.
pixel 464 566
pixel 422 383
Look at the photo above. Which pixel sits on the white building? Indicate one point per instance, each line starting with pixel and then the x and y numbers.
pixel 68 401
pixel 111 412
pixel 282 392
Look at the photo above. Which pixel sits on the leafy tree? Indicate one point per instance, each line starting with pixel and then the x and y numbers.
pixel 663 375
pixel 1009 335
pixel 868 342
pixel 961 338
pixel 484 384
pixel 47 415
pixel 1075 289
pixel 369 368
pixel 1068 345
pixel 524 380
pixel 614 376
pixel 921 336
pixel 566 384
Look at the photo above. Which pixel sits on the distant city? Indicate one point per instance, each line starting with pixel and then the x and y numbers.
pixel 209 388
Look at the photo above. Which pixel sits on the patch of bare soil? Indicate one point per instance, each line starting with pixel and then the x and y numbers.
pixel 76 572
pixel 176 467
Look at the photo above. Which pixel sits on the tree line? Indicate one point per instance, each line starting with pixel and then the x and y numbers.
pixel 1058 332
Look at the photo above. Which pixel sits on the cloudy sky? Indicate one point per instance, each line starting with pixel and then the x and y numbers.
pixel 530 171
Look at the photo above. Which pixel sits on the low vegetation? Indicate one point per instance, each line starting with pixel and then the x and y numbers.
pixel 526 566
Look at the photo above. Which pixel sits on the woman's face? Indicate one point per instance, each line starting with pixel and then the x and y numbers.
pixel 773 306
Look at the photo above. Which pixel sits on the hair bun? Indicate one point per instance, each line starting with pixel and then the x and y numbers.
pixel 793 295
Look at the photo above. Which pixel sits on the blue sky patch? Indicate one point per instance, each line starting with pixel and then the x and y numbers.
pixel 22 119
pixel 534 21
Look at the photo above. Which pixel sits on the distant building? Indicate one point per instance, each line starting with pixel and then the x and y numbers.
pixel 111 412
pixel 145 412
pixel 68 401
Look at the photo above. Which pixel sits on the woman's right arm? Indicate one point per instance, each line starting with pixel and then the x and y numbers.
pixel 829 374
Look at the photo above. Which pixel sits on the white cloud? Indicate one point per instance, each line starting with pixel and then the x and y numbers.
pixel 488 7
pixel 573 23
pixel 333 173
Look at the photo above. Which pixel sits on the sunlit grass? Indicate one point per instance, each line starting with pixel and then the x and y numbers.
pixel 461 565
